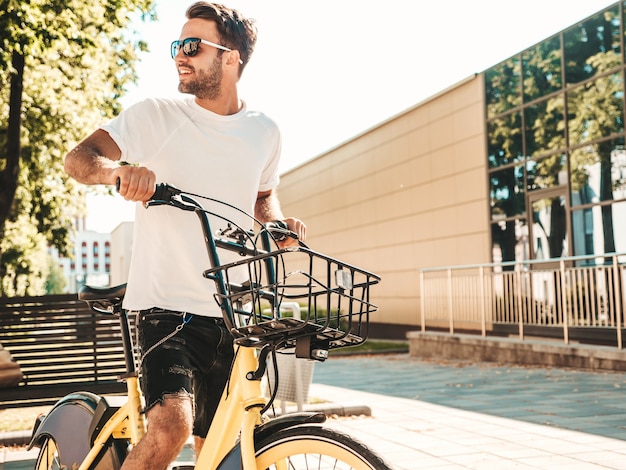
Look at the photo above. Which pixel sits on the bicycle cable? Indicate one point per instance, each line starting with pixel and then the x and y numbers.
pixel 233 207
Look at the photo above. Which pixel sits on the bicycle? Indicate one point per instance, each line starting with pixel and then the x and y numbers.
pixel 85 431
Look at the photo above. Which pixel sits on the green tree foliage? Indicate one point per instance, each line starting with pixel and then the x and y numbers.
pixel 64 65
pixel 55 280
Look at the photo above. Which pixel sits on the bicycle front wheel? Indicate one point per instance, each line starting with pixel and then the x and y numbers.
pixel 314 447
pixel 48 458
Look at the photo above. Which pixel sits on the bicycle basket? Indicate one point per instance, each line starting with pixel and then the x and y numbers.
pixel 333 299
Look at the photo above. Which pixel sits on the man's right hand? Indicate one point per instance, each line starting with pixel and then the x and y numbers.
pixel 134 183
pixel 96 161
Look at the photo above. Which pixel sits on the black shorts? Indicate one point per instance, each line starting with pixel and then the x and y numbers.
pixel 196 361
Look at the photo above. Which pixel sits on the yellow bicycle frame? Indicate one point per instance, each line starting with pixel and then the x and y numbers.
pixel 127 422
pixel 239 410
pixel 238 413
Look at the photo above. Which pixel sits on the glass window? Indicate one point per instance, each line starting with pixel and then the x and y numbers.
pixel 598 172
pixel 506 190
pixel 546 173
pixel 596 109
pixel 509 241
pixel 549 229
pixel 505 140
pixel 599 229
pixel 544 125
pixel 556 145
pixel 541 66
pixel 592 47
pixel 502 87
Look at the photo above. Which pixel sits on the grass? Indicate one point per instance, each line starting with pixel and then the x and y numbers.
pixel 20 419
pixel 373 346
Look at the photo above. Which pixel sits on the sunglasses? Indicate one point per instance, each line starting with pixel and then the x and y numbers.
pixel 190 47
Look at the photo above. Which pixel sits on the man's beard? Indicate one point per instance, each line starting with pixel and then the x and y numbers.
pixel 206 85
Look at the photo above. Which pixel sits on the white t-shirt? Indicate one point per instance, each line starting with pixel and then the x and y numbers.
pixel 230 158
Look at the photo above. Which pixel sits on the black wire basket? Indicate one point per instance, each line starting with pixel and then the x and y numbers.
pixel 294 293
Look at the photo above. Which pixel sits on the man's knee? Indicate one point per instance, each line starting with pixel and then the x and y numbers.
pixel 172 419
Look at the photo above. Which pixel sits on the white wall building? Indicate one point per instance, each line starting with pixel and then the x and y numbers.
pixel 91 259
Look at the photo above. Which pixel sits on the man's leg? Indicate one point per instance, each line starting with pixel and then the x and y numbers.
pixel 169 426
pixel 198 442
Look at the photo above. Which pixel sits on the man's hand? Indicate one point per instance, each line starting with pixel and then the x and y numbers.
pixel 134 183
pixel 267 208
pixel 296 226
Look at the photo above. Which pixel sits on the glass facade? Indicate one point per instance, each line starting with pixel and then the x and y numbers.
pixel 555 144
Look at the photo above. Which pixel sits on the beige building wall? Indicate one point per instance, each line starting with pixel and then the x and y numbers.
pixel 407 194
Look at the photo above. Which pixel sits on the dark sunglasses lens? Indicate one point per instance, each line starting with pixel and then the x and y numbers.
pixel 190 46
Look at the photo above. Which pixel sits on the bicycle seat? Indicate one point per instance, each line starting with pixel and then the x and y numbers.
pixel 99 293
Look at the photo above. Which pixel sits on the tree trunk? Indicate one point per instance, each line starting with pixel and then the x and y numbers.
pixel 9 175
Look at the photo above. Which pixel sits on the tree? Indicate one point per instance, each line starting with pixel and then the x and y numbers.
pixel 56 282
pixel 64 65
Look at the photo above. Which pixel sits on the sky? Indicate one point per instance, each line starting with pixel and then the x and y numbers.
pixel 326 71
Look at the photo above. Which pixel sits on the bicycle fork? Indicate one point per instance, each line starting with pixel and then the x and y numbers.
pixel 239 415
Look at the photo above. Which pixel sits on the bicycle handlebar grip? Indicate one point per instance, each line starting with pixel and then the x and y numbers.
pixel 164 192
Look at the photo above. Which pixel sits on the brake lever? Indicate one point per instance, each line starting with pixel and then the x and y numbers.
pixel 280 231
pixel 175 201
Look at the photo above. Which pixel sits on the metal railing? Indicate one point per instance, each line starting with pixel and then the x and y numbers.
pixel 583 293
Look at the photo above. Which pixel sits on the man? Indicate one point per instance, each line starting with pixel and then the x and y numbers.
pixel 208 143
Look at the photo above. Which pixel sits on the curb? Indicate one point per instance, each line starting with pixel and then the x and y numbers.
pixel 511 350
pixel 333 409
pixel 15 438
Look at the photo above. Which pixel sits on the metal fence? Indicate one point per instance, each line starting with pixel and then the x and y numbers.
pixel 553 298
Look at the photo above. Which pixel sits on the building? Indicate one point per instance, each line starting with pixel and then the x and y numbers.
pixel 523 161
pixel 91 259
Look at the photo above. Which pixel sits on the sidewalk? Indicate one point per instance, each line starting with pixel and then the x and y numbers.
pixel 578 400
pixel 461 416
pixel 412 434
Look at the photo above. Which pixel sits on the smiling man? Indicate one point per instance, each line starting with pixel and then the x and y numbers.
pixel 207 143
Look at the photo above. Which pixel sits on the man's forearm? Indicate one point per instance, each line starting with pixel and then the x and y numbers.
pixel 267 208
pixel 86 165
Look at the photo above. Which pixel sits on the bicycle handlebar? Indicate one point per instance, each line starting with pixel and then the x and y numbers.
pixel 167 194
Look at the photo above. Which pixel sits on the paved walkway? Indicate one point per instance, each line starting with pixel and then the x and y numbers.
pixel 414 435
pixel 592 402
pixel 440 416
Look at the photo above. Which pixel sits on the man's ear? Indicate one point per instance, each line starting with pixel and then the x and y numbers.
pixel 233 58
